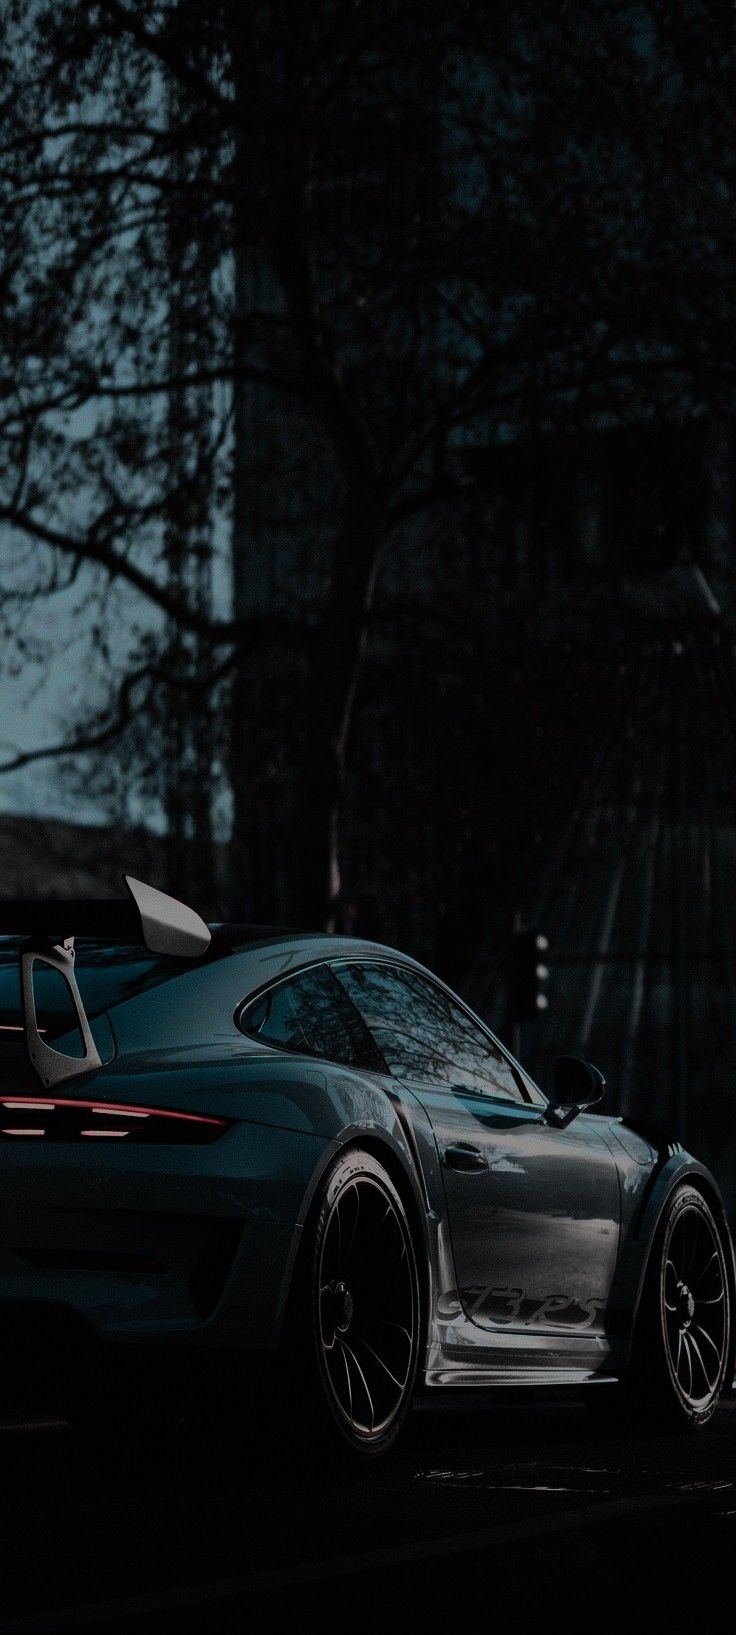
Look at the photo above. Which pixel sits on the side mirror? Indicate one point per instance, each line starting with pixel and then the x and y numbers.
pixel 577 1086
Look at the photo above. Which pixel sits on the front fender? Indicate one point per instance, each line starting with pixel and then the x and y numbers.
pixel 673 1171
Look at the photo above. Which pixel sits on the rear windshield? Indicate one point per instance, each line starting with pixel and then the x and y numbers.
pixel 105 976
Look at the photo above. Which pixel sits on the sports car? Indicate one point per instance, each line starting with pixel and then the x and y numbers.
pixel 256 1143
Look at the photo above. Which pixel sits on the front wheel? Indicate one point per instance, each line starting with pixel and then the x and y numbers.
pixel 683 1340
pixel 357 1321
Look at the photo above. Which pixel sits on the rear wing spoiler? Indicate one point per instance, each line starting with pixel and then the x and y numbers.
pixel 161 923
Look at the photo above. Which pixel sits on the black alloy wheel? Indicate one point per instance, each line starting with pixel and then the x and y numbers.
pixel 694 1306
pixel 365 1304
pixel 682 1344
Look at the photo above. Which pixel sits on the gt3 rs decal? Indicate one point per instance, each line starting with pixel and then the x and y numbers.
pixel 512 1308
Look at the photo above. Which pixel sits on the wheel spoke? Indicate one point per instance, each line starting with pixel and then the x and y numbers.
pixel 381 1363
pixel 686 1352
pixel 706 1268
pixel 706 1263
pixel 694 1300
pixel 351 1354
pixel 367 1295
pixel 373 1317
pixel 367 1248
pixel 367 1262
pixel 703 1332
pixel 327 1329
pixel 696 1348
pixel 670 1273
pixel 347 1376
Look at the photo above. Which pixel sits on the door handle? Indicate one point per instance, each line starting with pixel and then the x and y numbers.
pixel 461 1155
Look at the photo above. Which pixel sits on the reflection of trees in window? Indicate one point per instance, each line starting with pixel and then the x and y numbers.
pixel 424 1034
pixel 313 1014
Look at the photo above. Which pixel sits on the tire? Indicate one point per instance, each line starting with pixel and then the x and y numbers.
pixel 683 1337
pixel 354 1327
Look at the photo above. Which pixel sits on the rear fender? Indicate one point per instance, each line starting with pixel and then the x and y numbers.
pixel 408 1156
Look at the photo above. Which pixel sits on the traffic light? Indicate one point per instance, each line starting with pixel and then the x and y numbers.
pixel 528 975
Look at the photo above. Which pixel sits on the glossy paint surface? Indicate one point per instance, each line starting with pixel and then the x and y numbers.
pixel 533 1239
pixel 535 1231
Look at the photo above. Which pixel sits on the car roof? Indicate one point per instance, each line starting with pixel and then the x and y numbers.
pixel 234 938
pixel 229 936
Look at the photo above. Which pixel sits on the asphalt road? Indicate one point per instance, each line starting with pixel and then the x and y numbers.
pixel 522 1511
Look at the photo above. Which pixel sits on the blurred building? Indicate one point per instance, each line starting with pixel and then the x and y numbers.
pixel 634 884
pixel 618 502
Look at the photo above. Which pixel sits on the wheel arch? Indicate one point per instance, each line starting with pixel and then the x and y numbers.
pixel 697 1177
pixel 410 1192
pixel 704 1183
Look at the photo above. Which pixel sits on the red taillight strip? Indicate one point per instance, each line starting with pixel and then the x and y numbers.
pixel 34 1104
pixel 129 1113
pixel 30 1106
pixel 17 1027
pixel 107 1135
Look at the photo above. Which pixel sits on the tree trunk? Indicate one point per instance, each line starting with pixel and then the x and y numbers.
pixel 188 769
pixel 251 885
pixel 288 273
pixel 330 700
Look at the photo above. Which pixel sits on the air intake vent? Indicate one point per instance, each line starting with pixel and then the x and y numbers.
pixel 213 1264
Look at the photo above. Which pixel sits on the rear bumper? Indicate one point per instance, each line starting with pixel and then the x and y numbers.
pixel 173 1245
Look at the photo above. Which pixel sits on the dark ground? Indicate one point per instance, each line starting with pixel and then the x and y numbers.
pixel 518 1512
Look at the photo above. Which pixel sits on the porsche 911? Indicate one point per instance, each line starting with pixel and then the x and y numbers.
pixel 254 1143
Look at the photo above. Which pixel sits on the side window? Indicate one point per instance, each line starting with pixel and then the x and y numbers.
pixel 425 1035
pixel 311 1013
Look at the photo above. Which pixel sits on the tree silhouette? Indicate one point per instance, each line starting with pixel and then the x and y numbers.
pixel 419 231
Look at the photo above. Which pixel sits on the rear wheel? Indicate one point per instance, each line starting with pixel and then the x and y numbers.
pixel 356 1325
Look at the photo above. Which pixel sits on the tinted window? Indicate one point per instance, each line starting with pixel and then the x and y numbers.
pixel 425 1035
pixel 105 977
pixel 311 1013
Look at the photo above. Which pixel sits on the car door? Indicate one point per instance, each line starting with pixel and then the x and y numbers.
pixel 533 1209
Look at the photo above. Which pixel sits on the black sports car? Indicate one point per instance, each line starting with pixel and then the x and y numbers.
pixel 258 1140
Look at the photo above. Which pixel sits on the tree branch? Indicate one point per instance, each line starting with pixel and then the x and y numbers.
pixel 129 23
pixel 94 739
pixel 247 633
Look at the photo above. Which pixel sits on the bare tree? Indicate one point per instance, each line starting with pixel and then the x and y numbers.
pixel 418 243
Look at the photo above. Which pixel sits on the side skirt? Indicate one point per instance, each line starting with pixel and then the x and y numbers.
pixel 478 1378
pixel 462 1355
